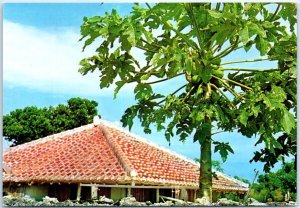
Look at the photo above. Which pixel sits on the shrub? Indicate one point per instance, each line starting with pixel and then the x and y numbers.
pixel 278 195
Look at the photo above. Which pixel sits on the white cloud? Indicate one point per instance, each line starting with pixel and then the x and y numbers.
pixel 48 61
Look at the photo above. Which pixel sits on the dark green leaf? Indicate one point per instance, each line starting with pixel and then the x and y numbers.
pixel 206 75
pixel 142 91
pixel 119 84
pixel 223 148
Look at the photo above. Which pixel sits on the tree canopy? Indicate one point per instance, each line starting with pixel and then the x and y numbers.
pixel 275 185
pixel 190 42
pixel 31 123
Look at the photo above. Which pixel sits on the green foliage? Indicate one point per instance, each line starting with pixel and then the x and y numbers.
pixel 189 41
pixel 31 123
pixel 233 196
pixel 278 195
pixel 276 185
pixel 223 148
pixel 293 196
pixel 230 196
pixel 217 165
pixel 261 195
pixel 242 179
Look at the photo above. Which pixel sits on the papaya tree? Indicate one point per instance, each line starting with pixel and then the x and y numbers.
pixel 186 44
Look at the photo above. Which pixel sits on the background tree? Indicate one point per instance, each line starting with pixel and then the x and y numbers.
pixel 276 185
pixel 242 179
pixel 188 42
pixel 215 164
pixel 30 123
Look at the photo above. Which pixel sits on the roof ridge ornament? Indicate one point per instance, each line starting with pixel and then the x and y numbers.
pixel 96 120
pixel 133 173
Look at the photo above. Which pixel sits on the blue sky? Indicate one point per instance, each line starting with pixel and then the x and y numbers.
pixel 41 56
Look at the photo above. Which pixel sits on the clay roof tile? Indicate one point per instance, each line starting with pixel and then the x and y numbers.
pixel 103 153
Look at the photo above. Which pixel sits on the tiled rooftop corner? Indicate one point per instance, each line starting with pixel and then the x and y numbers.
pixel 103 153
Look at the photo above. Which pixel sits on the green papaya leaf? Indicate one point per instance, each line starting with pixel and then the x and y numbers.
pixel 215 14
pixel 224 149
pixel 244 34
pixel 243 117
pixel 288 121
pixel 119 84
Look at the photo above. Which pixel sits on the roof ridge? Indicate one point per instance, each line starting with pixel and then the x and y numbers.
pixel 124 161
pixel 49 137
pixel 232 179
pixel 139 138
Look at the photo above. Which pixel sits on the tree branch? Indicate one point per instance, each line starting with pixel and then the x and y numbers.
pixel 239 47
pixel 149 7
pixel 245 61
pixel 151 44
pixel 229 80
pixel 156 81
pixel 146 72
pixel 249 70
pixel 194 22
pixel 218 89
pixel 218 6
pixel 217 132
pixel 145 49
pixel 189 93
pixel 216 48
pixel 172 28
pixel 162 80
pixel 183 86
pixel 242 46
pixel 227 50
pixel 275 13
pixel 232 91
pixel 237 83
pixel 173 93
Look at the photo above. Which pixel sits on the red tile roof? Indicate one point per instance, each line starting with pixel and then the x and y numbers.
pixel 103 154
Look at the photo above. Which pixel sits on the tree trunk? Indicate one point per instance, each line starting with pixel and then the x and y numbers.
pixel 205 168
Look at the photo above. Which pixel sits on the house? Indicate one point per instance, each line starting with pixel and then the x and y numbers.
pixel 102 159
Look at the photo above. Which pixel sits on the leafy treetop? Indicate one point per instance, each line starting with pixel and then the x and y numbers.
pixel 31 123
pixel 191 40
